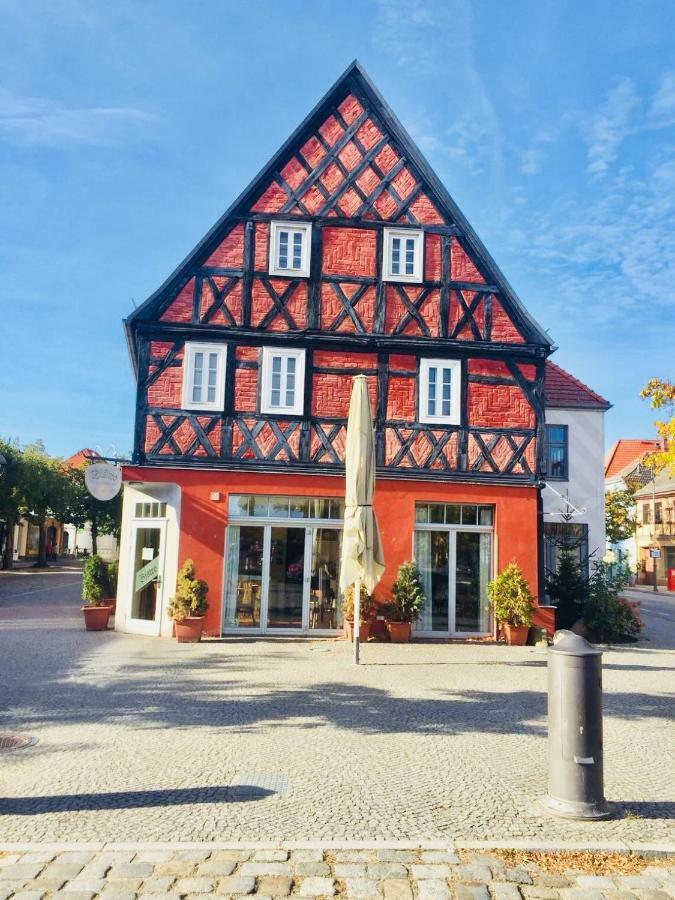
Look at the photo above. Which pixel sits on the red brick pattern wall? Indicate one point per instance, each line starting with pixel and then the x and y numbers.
pixel 349 251
pixel 498 406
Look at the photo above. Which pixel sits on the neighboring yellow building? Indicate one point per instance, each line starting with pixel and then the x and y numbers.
pixel 656 528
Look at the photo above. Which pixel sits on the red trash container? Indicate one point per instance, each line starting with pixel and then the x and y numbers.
pixel 671 579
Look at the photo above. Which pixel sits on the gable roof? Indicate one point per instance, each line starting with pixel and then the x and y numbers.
pixel 81 458
pixel 563 390
pixel 627 451
pixel 353 80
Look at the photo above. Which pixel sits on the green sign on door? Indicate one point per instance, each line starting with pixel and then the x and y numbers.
pixel 148 573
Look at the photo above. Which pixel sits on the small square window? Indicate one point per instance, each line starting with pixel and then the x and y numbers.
pixel 403 255
pixel 290 248
pixel 283 381
pixel 439 391
pixel 204 376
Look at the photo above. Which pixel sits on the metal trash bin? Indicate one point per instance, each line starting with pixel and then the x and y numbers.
pixel 575 775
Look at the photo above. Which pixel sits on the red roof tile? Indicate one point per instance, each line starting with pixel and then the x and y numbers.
pixel 564 390
pixel 626 451
pixel 81 458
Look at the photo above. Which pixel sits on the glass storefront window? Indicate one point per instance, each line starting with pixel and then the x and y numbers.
pixel 452 513
pixel 262 506
pixel 469 515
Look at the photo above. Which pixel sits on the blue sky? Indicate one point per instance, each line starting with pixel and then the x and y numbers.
pixel 126 128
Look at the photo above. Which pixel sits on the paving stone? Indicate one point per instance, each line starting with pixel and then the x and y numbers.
pixel 386 870
pixel 95 870
pixel 361 887
pixel 311 869
pixel 114 857
pixel 157 884
pixel 214 868
pixel 653 895
pixel 37 856
pixel 317 887
pixel 194 885
pixel 473 872
pixel 44 884
pixel 163 895
pixel 68 894
pixel 471 892
pixel 153 856
pixel 354 856
pixel 597 882
pixel 546 879
pixel 399 856
pixel 274 885
pixel 95 885
pixel 29 895
pixel 265 868
pixel 112 893
pixel 22 871
pixel 77 857
pixel 504 891
pixel 619 895
pixel 439 856
pixel 397 889
pixel 437 871
pixel 236 884
pixel 270 856
pixel 432 889
pixel 350 870
pixel 659 872
pixel 192 855
pixel 580 894
pixel 235 855
pixel 179 868
pixel 540 892
pixel 520 876
pixel 307 855
pixel 10 859
pixel 7 888
pixel 638 882
pixel 131 870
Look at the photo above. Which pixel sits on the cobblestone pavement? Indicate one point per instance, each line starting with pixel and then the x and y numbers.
pixel 391 874
pixel 141 739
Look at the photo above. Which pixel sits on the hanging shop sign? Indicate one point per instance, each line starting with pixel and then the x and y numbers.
pixel 103 480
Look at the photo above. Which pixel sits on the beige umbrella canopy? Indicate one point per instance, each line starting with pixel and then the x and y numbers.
pixel 362 561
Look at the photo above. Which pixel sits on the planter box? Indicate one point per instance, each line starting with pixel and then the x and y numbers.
pixel 189 631
pixel 364 631
pixel 96 617
pixel 399 632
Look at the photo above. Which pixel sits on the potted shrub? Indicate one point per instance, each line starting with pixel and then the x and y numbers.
pixel 512 602
pixel 113 573
pixel 188 607
pixel 364 613
pixel 95 593
pixel 407 603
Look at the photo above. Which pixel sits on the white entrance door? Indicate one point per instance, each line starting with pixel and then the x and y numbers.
pixel 148 541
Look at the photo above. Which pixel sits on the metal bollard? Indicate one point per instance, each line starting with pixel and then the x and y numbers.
pixel 575 775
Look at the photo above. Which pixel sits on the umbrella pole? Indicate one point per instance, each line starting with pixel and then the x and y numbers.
pixel 357 619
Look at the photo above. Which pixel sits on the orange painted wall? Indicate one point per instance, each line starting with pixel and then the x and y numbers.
pixel 203 521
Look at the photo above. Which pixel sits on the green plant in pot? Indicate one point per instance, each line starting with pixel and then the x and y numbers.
pixel 408 601
pixel 96 594
pixel 188 606
pixel 365 610
pixel 113 575
pixel 512 603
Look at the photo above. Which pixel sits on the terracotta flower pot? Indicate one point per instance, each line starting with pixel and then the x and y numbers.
pixel 96 617
pixel 364 630
pixel 189 630
pixel 516 635
pixel 399 632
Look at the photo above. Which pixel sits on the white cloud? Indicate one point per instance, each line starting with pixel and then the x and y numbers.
pixel 37 120
pixel 611 126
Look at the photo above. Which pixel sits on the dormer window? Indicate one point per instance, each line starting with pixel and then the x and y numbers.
pixel 290 248
pixel 403 255
pixel 439 391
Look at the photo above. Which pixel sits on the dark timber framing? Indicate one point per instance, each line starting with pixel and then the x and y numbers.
pixel 234 439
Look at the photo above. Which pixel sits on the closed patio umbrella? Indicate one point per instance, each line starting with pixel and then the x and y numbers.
pixel 362 561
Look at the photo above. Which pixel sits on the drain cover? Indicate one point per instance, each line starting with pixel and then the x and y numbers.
pixel 15 742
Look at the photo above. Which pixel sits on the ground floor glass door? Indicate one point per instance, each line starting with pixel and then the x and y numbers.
pixel 455 567
pixel 282 578
pixel 147 570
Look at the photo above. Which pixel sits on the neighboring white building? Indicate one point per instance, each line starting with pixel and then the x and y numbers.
pixel 574 495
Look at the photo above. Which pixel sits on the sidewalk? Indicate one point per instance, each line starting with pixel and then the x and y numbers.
pixel 127 872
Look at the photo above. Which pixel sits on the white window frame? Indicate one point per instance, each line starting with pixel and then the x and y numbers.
pixel 297 407
pixel 192 347
pixel 455 367
pixel 303 228
pixel 418 264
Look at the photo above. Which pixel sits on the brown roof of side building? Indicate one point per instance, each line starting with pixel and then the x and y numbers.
pixel 563 390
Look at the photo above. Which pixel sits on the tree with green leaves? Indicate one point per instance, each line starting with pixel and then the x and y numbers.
pixel 567 587
pixel 661 395
pixel 619 515
pixel 47 491
pixel 12 477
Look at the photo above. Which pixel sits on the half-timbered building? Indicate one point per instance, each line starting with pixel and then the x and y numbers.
pixel 345 255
